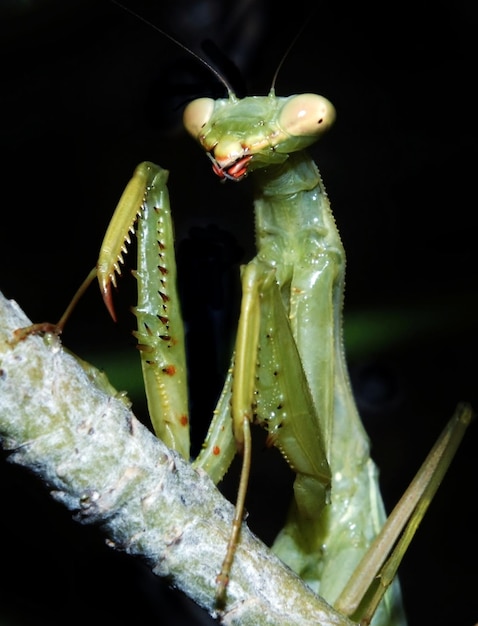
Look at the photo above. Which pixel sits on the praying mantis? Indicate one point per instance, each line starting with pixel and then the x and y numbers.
pixel 288 371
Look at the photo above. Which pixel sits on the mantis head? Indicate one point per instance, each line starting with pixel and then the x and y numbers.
pixel 240 135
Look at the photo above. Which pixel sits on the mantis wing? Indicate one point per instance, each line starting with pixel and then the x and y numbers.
pixel 285 407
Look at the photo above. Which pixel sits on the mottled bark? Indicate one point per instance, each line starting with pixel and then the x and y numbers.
pixel 109 470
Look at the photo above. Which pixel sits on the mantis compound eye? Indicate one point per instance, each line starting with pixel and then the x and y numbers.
pixel 197 114
pixel 307 115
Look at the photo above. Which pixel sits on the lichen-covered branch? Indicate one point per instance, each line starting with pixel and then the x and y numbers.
pixel 108 469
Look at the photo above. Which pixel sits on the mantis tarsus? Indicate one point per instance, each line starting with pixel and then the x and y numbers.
pixel 288 371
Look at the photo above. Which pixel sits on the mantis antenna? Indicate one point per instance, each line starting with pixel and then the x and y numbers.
pixel 212 69
pixel 292 43
pixel 294 40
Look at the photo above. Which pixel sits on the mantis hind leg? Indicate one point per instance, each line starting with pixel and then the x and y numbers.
pixel 375 573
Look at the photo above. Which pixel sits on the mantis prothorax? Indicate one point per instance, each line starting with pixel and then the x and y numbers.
pixel 288 371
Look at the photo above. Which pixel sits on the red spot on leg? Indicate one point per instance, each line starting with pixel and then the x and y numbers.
pixel 216 450
pixel 183 420
pixel 170 370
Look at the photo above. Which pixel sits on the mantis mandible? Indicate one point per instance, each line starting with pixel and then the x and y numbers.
pixel 288 370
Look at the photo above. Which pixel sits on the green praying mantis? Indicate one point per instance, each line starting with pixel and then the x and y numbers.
pixel 288 371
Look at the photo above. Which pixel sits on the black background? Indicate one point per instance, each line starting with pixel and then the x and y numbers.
pixel 88 91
